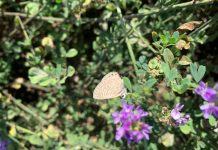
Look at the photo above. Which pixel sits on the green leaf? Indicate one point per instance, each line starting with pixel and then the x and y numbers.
pixel 197 73
pixel 36 75
pixel 173 74
pixel 144 66
pixel 127 83
pixel 138 89
pixel 70 71
pixel 176 35
pixel 140 72
pixel 201 144
pixel 111 7
pixel 142 59
pixel 150 82
pixel 52 132
pixel 58 70
pixel 185 60
pixel 181 88
pixel 212 120
pixel 32 8
pixel 138 64
pixel 164 39
pixel 168 56
pixel 71 53
pixel 73 139
pixel 35 140
pixel 48 81
pixel 50 75
pixel 170 74
pixel 186 129
pixel 174 38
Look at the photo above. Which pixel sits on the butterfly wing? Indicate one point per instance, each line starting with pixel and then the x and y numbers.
pixel 111 86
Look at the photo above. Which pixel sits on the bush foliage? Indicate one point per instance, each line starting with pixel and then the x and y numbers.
pixel 54 53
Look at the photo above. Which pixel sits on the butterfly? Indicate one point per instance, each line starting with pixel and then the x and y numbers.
pixel 111 86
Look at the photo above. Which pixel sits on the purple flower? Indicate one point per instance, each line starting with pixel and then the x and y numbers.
pixel 182 120
pixel 3 144
pixel 207 93
pixel 209 109
pixel 178 118
pixel 175 113
pixel 120 132
pixel 130 125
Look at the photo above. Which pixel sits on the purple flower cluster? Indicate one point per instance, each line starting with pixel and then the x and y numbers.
pixel 3 144
pixel 178 117
pixel 209 95
pixel 131 127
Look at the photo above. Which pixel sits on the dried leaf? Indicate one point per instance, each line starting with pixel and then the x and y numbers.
pixel 17 83
pixel 185 60
pixel 47 41
pixel 189 25
pixel 181 44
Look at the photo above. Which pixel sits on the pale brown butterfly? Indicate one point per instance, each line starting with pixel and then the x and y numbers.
pixel 111 86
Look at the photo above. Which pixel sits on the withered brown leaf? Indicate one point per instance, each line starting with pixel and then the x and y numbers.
pixel 189 25
pixel 181 44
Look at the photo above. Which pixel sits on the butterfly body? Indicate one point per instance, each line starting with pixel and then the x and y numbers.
pixel 111 86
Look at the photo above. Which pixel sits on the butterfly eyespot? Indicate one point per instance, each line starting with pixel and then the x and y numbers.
pixel 124 93
pixel 123 96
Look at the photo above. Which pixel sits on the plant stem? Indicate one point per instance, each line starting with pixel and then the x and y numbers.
pixel 190 4
pixel 29 18
pixel 24 32
pixel 18 142
pixel 131 53
pixel 145 41
pixel 21 128
pixel 22 27
pixel 129 47
pixel 23 107
pixel 30 85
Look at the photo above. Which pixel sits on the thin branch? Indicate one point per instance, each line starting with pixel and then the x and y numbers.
pixel 29 18
pixel 24 15
pixel 96 20
pixel 29 85
pixel 129 47
pixel 23 107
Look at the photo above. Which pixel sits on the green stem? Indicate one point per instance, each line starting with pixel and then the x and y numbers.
pixel 21 128
pixel 145 41
pixel 206 25
pixel 23 107
pixel 24 32
pixel 18 142
pixel 131 53
pixel 129 47
pixel 190 4
pixel 22 27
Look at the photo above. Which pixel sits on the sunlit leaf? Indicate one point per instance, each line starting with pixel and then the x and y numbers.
pixel 71 53
pixel 197 72
pixel 127 83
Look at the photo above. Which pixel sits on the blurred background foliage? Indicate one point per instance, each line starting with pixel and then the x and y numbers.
pixel 53 54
